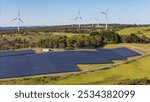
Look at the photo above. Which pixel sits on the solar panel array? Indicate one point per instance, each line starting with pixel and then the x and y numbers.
pixel 36 64
pixel 125 52
pixel 15 53
pixel 108 53
pixel 78 57
pixel 27 63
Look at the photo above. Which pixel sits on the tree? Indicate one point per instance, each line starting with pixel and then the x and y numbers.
pixel 134 38
pixel 144 39
pixel 125 39
pixel 108 36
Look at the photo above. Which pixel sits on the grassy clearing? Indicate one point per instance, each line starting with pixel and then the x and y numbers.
pixel 39 36
pixel 65 34
pixel 144 48
pixel 118 61
pixel 137 30
pixel 33 38
pixel 91 66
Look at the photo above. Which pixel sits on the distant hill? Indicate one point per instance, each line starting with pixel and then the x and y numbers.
pixel 7 28
pixel 137 30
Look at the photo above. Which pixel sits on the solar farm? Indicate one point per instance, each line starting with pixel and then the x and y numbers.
pixel 24 63
pixel 77 45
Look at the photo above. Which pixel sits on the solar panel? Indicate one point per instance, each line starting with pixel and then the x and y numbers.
pixel 28 65
pixel 87 57
pixel 107 53
pixel 15 53
pixel 125 52
pixel 65 67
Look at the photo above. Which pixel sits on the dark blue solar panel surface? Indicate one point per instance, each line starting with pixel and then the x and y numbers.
pixel 79 57
pixel 27 63
pixel 125 52
pixel 15 53
pixel 107 53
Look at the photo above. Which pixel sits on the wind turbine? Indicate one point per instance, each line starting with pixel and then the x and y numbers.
pixel 106 17
pixel 78 18
pixel 120 21
pixel 97 19
pixel 93 21
pixel 19 20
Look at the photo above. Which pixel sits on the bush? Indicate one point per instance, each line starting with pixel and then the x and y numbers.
pixel 142 81
pixel 110 37
pixel 134 38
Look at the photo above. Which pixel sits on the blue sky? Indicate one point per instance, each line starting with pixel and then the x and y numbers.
pixel 58 12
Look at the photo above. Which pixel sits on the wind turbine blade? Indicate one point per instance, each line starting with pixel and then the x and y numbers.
pixel 18 13
pixel 81 18
pixel 21 20
pixel 75 18
pixel 103 13
pixel 79 12
pixel 107 10
pixel 97 19
pixel 14 19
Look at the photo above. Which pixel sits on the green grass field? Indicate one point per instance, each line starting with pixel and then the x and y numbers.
pixel 91 66
pixel 137 30
pixel 144 48
pixel 65 34
pixel 39 36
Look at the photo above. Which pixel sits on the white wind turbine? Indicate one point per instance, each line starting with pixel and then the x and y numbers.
pixel 19 20
pixel 106 17
pixel 78 19
pixel 97 19
pixel 120 21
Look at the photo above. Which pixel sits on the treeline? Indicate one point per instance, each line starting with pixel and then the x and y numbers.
pixel 85 28
pixel 54 41
pixel 94 40
pixel 142 81
pixel 71 42
pixel 133 38
pixel 113 37
pixel 16 43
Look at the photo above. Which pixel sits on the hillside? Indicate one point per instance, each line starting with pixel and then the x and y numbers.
pixel 137 30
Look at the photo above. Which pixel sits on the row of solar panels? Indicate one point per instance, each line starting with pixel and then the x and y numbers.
pixel 125 52
pixel 15 53
pixel 28 64
pixel 35 64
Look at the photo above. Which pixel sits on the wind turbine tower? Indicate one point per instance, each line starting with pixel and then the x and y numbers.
pixel 120 21
pixel 106 17
pixel 19 20
pixel 97 19
pixel 78 19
